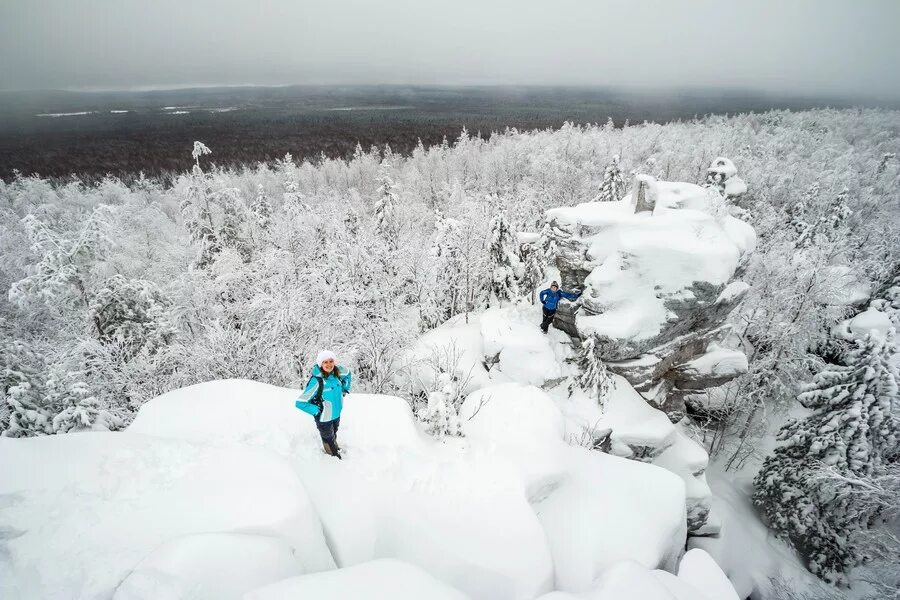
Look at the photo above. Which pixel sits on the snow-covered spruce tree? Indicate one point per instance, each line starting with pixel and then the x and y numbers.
pixel 594 378
pixel 549 246
pixel 503 259
pixel 197 213
pixel 854 431
pixel 132 313
pixel 386 205
pixel 612 188
pixel 533 267
pixel 442 297
pixel 22 391
pixel 76 408
pixel 262 208
pixel 815 223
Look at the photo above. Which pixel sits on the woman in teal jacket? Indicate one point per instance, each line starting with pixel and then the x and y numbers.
pixel 323 398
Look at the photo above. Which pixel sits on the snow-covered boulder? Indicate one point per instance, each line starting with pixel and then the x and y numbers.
pixel 210 566
pixel 658 286
pixel 687 459
pixel 723 175
pixel 641 432
pixel 698 579
pixel 871 321
pixel 462 517
pixel 499 345
pixel 81 511
pixel 384 579
pixel 258 414
pixel 698 568
pixel 595 509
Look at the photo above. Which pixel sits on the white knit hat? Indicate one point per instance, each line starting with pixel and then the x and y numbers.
pixel 325 355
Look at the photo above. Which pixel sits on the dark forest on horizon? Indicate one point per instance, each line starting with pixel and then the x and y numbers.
pixel 94 134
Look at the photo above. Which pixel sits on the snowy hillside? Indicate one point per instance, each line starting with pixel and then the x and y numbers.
pixel 695 377
pixel 508 498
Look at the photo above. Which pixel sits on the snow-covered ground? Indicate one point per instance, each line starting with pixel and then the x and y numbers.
pixel 222 490
pixel 222 487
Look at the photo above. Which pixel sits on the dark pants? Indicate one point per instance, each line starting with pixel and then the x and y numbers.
pixel 548 318
pixel 328 430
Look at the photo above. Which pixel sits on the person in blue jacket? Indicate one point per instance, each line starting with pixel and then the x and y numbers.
pixel 550 300
pixel 323 398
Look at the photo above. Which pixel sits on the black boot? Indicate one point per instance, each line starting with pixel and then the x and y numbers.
pixel 335 450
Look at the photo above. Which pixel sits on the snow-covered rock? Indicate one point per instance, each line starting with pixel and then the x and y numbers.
pixel 384 579
pixel 499 345
pixel 258 414
pixel 697 568
pixel 687 459
pixel 638 430
pixel 698 579
pixel 722 166
pixel 869 322
pixel 658 286
pixel 586 500
pixel 210 566
pixel 462 517
pixel 735 186
pixel 715 367
pixel 82 510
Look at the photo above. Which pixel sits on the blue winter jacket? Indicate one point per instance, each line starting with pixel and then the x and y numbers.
pixel 550 299
pixel 335 386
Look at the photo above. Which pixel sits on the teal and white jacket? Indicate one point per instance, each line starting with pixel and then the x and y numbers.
pixel 327 404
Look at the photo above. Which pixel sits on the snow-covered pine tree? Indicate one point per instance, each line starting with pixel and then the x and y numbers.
pixel 443 294
pixel 612 188
pixel 798 217
pixel 548 245
pixel 386 205
pixel 440 414
pixel 133 314
pixel 77 408
pixel 503 259
pixel 262 208
pixel 854 431
pixel 594 378
pixel 197 213
pixel 533 267
pixel 199 150
pixel 837 215
pixel 22 391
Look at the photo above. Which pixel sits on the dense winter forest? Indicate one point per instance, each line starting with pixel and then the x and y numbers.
pixel 56 134
pixel 115 293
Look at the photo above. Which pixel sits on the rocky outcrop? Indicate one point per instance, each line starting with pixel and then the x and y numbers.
pixel 658 273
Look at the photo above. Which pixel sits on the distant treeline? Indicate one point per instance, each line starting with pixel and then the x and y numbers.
pixel 249 125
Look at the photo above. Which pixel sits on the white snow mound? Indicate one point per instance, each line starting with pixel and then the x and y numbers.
pixel 384 579
pixel 86 508
pixel 210 566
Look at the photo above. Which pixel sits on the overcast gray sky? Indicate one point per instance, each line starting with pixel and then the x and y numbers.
pixel 805 46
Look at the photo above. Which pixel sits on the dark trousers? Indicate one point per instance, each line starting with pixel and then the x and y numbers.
pixel 548 318
pixel 328 430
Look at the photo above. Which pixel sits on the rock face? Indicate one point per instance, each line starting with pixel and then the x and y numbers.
pixel 657 270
